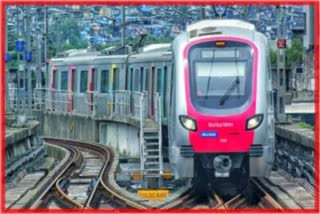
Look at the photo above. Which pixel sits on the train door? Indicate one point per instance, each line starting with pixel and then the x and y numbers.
pixel 113 86
pixel 164 89
pixel 130 79
pixel 136 88
pixel 91 86
pixel 81 96
pixel 122 77
pixel 166 101
pixel 130 88
pixel 158 85
pixel 147 79
pixel 72 85
pixel 137 78
pixel 54 78
pixel 102 98
pixel 152 78
pixel 53 85
pixel 63 89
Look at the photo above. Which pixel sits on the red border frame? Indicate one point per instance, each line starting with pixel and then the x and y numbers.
pixel 315 3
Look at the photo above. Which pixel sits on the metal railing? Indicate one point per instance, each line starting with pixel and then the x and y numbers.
pixel 101 104
pixel 17 98
pixel 111 104
pixel 141 101
pixel 89 101
pixel 58 100
pixel 39 99
pixel 139 105
pixel 117 103
pixel 158 120
pixel 121 103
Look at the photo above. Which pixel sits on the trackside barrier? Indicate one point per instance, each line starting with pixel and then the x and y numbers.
pixel 117 103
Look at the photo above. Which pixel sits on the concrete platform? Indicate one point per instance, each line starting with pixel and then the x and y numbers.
pixel 300 108
pixel 294 133
pixel 293 196
pixel 29 181
pixel 24 147
pixel 27 192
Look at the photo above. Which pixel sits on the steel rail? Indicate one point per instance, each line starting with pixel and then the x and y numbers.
pixel 267 198
pixel 185 199
pixel 108 189
pixel 76 159
pixel 65 196
pixel 94 191
pixel 62 170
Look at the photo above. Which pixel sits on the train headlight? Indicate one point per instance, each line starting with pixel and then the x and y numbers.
pixel 254 122
pixel 188 123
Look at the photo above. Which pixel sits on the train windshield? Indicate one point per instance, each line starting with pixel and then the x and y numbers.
pixel 220 77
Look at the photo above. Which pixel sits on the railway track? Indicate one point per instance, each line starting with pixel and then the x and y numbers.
pixel 57 195
pixel 261 199
pixel 87 171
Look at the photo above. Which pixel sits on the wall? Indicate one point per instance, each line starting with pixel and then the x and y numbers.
pixel 295 151
pixel 123 135
pixel 66 126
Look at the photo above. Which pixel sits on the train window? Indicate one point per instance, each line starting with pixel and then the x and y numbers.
pixel 55 79
pixel 127 83
pixel 83 81
pixel 94 79
pixel 224 71
pixel 159 80
pixel 147 80
pixel 131 80
pixel 141 78
pixel 220 82
pixel 104 81
pixel 137 80
pixel 115 85
pixel 172 83
pixel 64 81
pixel 74 80
pixel 152 81
pixel 164 89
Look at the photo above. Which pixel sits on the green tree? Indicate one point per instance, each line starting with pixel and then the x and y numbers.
pixel 67 31
pixel 294 54
pixel 273 57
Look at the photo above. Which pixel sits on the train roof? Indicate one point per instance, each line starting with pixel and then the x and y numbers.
pixel 89 59
pixel 156 47
pixel 155 53
pixel 77 52
pixel 220 27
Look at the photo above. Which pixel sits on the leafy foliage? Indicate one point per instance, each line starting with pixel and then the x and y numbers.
pixel 273 58
pixel 294 54
pixel 64 34
pixel 305 125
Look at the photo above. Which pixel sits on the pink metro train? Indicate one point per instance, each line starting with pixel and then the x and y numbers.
pixel 221 113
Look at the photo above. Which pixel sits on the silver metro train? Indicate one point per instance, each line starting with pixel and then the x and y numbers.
pixel 216 96
pixel 221 111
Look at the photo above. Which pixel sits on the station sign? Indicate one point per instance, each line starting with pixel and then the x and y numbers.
pixel 7 57
pixel 281 43
pixel 28 56
pixel 20 45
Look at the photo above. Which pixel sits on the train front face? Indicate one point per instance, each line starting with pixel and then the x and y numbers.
pixel 225 114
